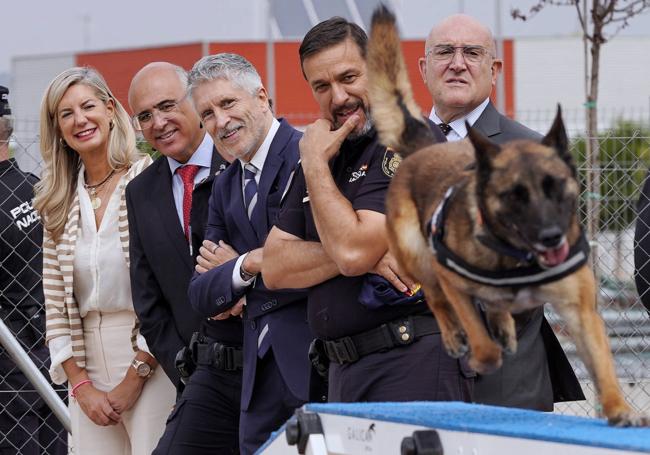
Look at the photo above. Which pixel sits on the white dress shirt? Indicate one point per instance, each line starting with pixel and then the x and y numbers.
pixel 458 130
pixel 101 276
pixel 201 157
pixel 258 161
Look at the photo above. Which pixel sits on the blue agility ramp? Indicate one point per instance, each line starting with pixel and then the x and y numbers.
pixel 460 429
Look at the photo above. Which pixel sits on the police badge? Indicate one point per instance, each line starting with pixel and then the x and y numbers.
pixel 390 163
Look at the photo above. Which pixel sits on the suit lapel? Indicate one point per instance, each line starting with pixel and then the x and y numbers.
pixel 272 166
pixel 164 203
pixel 489 122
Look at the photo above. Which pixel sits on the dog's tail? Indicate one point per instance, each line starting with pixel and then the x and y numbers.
pixel 396 116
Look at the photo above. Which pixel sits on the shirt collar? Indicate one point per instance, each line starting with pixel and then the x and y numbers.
pixel 202 156
pixel 260 155
pixel 458 125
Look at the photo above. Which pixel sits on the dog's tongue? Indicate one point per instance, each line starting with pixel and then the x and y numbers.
pixel 556 255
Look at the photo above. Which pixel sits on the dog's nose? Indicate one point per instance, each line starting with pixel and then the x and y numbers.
pixel 551 236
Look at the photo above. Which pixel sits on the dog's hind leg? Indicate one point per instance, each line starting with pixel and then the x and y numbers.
pixel 485 356
pixel 588 330
pixel 453 335
pixel 502 327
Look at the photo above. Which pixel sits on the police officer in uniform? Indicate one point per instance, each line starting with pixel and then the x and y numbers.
pixel 382 346
pixel 26 423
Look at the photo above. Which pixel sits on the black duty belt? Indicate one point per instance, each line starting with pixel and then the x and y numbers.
pixel 220 356
pixel 400 332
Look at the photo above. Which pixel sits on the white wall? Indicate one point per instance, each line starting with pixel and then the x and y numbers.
pixel 551 70
pixel 31 75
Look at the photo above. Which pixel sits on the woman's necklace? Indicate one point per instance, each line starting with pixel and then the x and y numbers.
pixel 95 200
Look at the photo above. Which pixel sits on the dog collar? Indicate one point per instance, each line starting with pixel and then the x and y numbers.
pixel 531 274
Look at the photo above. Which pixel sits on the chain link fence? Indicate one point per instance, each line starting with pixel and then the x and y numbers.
pixel 27 425
pixel 624 162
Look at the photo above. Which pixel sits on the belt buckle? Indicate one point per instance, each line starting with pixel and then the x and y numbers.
pixel 345 350
pixel 403 331
pixel 224 357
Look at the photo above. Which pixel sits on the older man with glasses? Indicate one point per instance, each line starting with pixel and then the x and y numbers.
pixel 167 211
pixel 460 68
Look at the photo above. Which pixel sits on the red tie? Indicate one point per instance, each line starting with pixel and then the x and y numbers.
pixel 187 173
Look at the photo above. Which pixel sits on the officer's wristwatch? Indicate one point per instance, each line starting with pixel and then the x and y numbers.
pixel 142 368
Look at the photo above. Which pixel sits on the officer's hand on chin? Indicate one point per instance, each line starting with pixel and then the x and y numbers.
pixel 321 143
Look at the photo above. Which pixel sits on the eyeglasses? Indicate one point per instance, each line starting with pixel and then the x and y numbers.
pixel 144 120
pixel 446 53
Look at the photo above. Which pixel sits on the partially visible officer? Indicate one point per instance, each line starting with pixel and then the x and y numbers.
pixel 642 245
pixel 460 68
pixel 331 233
pixel 167 210
pixel 234 107
pixel 26 423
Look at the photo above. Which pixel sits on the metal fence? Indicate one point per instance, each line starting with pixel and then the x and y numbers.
pixel 623 165
pixel 27 425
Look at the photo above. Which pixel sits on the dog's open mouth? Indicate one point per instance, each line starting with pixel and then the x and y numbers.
pixel 551 257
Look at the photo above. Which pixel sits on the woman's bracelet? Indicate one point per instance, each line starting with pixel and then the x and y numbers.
pixel 73 393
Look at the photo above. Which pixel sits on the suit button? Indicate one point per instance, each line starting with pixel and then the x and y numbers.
pixel 405 337
pixel 253 325
pixel 402 329
pixel 220 301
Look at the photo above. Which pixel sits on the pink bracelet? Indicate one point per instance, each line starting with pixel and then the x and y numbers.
pixel 79 384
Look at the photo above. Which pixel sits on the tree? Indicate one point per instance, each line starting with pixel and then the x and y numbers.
pixel 600 21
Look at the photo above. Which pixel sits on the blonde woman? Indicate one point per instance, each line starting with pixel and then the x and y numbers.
pixel 119 400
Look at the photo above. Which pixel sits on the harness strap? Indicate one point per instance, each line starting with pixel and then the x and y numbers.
pixel 528 275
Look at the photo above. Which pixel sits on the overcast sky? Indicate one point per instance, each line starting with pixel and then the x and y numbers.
pixel 31 27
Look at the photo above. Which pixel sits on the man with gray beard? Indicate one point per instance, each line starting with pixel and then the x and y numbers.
pixel 373 326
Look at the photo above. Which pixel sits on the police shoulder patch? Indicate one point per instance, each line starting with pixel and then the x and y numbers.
pixel 391 162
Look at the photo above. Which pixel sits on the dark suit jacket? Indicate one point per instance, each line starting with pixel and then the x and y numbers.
pixel 538 373
pixel 285 311
pixel 161 264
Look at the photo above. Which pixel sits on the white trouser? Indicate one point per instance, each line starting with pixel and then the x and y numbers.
pixel 107 340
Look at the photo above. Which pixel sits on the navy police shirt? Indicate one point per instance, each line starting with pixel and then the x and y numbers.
pixel 362 171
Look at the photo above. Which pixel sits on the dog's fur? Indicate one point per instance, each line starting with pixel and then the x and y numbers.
pixel 524 193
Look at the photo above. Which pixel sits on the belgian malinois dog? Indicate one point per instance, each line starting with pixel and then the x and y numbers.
pixel 475 220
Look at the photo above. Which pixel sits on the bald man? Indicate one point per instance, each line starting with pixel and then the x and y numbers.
pixel 168 211
pixel 164 241
pixel 460 68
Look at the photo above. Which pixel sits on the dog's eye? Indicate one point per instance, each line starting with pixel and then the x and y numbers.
pixel 552 187
pixel 518 194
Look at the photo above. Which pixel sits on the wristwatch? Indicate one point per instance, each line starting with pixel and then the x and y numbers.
pixel 245 275
pixel 142 368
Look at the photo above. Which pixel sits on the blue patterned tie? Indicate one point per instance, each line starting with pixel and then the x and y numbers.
pixel 250 189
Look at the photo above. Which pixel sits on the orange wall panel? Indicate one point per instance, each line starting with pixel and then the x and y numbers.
pixel 412 51
pixel 119 67
pixel 294 99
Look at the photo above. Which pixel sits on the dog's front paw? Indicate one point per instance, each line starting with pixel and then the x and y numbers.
pixel 456 344
pixel 629 419
pixel 507 341
pixel 486 358
pixel 502 326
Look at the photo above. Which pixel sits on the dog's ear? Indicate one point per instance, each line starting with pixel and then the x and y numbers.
pixel 484 149
pixel 558 140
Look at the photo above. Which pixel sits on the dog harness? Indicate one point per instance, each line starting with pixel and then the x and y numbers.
pixel 530 273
